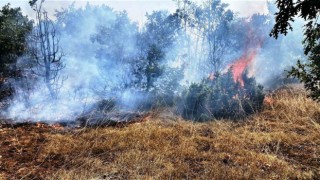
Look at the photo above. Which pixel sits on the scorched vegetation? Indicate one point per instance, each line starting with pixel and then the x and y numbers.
pixel 199 92
pixel 281 142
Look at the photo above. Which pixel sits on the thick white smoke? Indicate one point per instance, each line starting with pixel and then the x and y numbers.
pixel 94 38
pixel 86 77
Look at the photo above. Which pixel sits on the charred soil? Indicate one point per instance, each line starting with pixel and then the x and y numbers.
pixel 281 142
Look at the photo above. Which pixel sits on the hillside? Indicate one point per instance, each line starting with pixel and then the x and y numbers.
pixel 281 142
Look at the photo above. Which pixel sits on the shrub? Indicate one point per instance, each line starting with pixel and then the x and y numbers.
pixel 221 97
pixel 194 102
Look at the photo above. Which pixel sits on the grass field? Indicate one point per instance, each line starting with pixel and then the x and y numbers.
pixel 281 142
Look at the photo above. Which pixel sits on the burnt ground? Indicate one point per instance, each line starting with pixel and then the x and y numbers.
pixel 24 153
pixel 21 145
pixel 281 142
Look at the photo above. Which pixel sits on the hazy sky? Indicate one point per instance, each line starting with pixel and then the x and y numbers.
pixel 137 8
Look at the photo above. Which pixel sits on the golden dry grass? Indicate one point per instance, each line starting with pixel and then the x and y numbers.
pixel 281 142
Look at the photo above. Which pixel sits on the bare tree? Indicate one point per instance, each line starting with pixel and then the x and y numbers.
pixel 208 24
pixel 45 51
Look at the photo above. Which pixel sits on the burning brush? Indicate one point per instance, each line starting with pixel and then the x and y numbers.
pixel 245 62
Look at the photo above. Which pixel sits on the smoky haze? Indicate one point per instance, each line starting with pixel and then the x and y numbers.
pixel 105 52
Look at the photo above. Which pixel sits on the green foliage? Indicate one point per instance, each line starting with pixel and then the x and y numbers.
pixel 194 102
pixel 147 69
pixel 251 94
pixel 164 90
pixel 221 97
pixel 153 69
pixel 309 73
pixel 309 10
pixel 167 86
pixel 154 42
pixel 14 27
pixel 161 29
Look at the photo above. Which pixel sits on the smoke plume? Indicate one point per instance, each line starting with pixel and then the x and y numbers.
pixel 101 48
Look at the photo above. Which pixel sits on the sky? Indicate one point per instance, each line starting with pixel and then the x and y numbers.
pixel 137 8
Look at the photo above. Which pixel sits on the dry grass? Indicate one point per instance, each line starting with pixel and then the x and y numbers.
pixel 281 142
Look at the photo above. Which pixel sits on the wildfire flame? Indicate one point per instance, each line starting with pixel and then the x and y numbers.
pixel 240 65
pixel 254 43
pixel 43 125
pixel 211 76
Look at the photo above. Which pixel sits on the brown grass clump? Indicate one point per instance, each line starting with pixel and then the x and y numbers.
pixel 281 142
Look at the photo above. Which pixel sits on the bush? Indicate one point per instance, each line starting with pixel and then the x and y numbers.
pixel 221 97
pixel 309 73
pixel 194 102
pixel 153 100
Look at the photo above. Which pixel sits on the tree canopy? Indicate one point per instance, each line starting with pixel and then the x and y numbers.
pixel 309 10
pixel 14 27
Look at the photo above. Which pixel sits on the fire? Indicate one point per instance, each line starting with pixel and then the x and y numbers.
pixel 254 43
pixel 211 76
pixel 56 126
pixel 268 100
pixel 240 65
pixel 40 125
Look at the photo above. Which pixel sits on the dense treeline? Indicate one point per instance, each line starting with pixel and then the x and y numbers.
pixel 188 59
pixel 14 28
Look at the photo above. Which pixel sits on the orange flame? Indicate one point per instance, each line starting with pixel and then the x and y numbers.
pixel 240 65
pixel 43 125
pixel 211 76
pixel 254 43
pixel 57 126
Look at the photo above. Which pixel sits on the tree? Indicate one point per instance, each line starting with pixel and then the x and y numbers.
pixel 153 68
pixel 14 28
pixel 209 40
pixel 309 73
pixel 159 35
pixel 194 102
pixel 44 49
pixel 215 20
pixel 309 10
pixel 108 42
pixel 116 38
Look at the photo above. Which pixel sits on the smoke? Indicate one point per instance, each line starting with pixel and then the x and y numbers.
pixel 277 56
pixel 253 50
pixel 90 73
pixel 101 48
